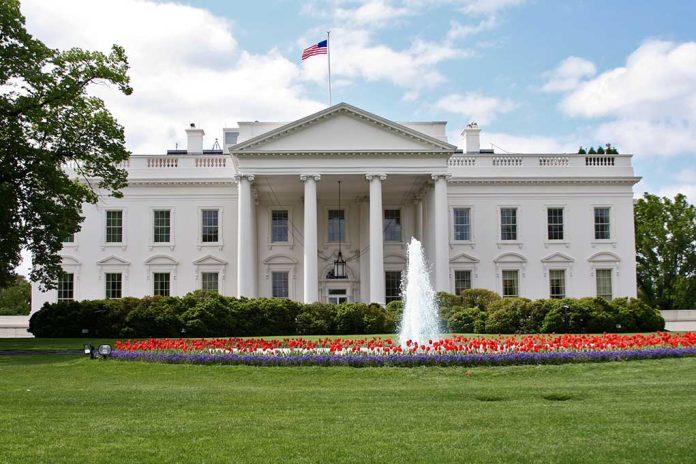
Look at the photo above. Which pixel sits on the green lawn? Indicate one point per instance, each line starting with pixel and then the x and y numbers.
pixel 69 409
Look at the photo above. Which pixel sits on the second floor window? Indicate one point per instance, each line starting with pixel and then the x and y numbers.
pixel 162 226
pixel 337 224
pixel 462 224
pixel 114 226
pixel 392 225
pixel 601 224
pixel 508 223
pixel 279 225
pixel 209 226
pixel 554 218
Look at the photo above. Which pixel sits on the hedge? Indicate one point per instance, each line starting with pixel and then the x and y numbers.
pixel 208 314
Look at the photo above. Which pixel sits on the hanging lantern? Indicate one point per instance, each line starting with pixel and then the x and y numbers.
pixel 339 267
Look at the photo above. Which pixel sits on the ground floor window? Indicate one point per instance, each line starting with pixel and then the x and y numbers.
pixel 162 283
pixel 114 284
pixel 209 281
pixel 603 277
pixel 392 285
pixel 338 295
pixel 462 281
pixel 280 284
pixel 511 283
pixel 66 287
pixel 557 283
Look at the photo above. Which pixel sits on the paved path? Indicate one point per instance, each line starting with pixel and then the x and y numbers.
pixel 38 352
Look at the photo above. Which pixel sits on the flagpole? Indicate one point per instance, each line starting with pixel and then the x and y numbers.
pixel 328 52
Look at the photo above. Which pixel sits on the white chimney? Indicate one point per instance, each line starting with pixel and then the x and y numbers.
pixel 195 140
pixel 472 135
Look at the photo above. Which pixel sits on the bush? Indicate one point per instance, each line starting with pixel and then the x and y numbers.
pixel 155 316
pixel 208 315
pixel 636 316
pixel 316 319
pixel 467 320
pixel 508 315
pixel 478 298
pixel 445 303
pixel 395 308
pixel 569 316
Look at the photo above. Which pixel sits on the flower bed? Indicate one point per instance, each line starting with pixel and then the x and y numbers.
pixel 453 351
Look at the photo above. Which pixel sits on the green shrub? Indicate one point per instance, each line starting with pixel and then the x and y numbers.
pixel 445 302
pixel 569 316
pixel 316 319
pixel 396 309
pixel 207 314
pixel 467 320
pixel 272 316
pixel 478 298
pixel 508 315
pixel 155 316
pixel 636 316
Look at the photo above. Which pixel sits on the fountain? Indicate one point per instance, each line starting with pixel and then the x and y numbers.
pixel 419 322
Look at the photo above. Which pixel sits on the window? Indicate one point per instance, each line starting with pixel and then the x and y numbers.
pixel 393 285
pixel 511 283
pixel 337 224
pixel 508 223
pixel 603 277
pixel 392 225
pixel 338 295
pixel 162 226
pixel 114 284
pixel 601 224
pixel 279 225
pixel 66 286
pixel 557 283
pixel 462 281
pixel 462 224
pixel 70 238
pixel 209 226
pixel 280 282
pixel 554 222
pixel 114 226
pixel 209 281
pixel 162 281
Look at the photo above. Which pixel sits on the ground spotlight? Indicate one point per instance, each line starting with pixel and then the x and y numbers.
pixel 104 351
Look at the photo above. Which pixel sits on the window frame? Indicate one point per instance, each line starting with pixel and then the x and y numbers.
pixel 564 236
pixel 124 228
pixel 106 285
pixel 401 225
pixel 454 280
pixel 453 225
pixel 275 272
pixel 220 225
pixel 516 240
pixel 611 271
pixel 59 287
pixel 154 282
pixel 610 229
pixel 153 212
pixel 203 275
pixel 288 239
pixel 324 225
pixel 564 294
pixel 518 282
pixel 387 297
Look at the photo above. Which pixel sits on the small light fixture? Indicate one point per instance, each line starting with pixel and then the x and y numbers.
pixel 104 351
pixel 339 269
pixel 88 348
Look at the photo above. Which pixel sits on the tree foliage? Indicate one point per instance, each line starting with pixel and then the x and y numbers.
pixel 15 299
pixel 666 251
pixel 48 120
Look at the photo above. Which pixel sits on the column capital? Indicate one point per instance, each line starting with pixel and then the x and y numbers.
pixel 376 176
pixel 435 177
pixel 306 177
pixel 249 177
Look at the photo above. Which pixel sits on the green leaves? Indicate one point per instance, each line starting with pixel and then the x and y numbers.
pixel 47 120
pixel 666 251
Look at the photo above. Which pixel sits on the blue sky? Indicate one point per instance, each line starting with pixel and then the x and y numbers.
pixel 538 76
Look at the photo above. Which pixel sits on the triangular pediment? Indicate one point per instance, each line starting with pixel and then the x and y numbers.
pixel 464 258
pixel 113 260
pixel 210 260
pixel 557 258
pixel 342 128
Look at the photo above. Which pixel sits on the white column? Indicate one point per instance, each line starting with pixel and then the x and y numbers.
pixel 365 250
pixel 377 291
pixel 311 248
pixel 246 253
pixel 441 233
pixel 418 205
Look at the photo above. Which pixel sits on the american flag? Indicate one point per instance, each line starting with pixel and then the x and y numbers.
pixel 316 49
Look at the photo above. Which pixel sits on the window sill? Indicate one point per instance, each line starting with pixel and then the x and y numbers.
pixel 169 245
pixel 210 245
pixel 516 243
pixel 121 245
pixel 594 243
pixel 549 243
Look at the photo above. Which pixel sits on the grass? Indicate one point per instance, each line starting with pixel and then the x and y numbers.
pixel 65 409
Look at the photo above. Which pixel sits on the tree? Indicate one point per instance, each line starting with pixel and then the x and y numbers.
pixel 15 299
pixel 666 251
pixel 47 120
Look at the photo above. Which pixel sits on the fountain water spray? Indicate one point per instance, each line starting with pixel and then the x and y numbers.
pixel 419 322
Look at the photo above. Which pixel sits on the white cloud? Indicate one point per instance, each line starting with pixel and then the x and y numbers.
pixel 486 6
pixel 458 30
pixel 568 74
pixel 651 101
pixel 186 66
pixel 475 106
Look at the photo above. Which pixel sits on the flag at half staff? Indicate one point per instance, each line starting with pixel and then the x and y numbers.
pixel 320 48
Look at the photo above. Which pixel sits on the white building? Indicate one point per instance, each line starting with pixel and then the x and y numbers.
pixel 261 216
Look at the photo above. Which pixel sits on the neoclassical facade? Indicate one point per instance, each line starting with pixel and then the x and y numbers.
pixel 259 216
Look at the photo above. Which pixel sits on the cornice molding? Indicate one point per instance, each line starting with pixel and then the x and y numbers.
pixel 345 154
pixel 545 180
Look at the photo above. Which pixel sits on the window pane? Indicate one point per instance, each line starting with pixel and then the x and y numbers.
pixel 114 226
pixel 70 238
pixel 393 285
pixel 209 281
pixel 508 223
pixel 161 283
pixel 114 284
pixel 604 283
pixel 511 283
pixel 601 224
pixel 337 224
pixel 279 226
pixel 209 221
pixel 280 283
pixel 392 225
pixel 162 226
pixel 555 223
pixel 462 281
pixel 66 287
pixel 462 223
pixel 557 283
